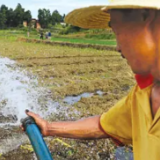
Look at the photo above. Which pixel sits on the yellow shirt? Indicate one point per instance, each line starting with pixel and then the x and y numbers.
pixel 130 121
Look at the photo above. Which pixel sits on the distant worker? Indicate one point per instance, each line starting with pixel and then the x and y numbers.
pixel 46 35
pixel 49 35
pixel 41 35
pixel 28 32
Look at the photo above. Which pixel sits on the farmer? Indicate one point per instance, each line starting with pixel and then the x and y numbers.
pixel 136 118
pixel 46 35
pixel 49 35
pixel 41 35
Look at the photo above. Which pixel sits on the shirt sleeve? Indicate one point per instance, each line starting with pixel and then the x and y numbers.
pixel 117 121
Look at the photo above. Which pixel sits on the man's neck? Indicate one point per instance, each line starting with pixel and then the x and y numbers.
pixel 155 97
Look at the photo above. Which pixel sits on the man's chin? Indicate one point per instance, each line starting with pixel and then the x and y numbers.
pixel 123 56
pixel 140 72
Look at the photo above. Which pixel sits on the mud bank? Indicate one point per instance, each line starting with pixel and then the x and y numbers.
pixel 73 45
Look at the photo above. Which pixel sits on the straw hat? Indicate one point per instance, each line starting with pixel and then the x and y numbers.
pixel 97 16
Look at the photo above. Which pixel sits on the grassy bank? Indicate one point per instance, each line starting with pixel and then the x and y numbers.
pixel 85 41
pixel 80 38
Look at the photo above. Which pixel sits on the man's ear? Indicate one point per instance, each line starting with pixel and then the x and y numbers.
pixel 148 15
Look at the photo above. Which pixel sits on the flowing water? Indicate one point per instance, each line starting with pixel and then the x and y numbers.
pixel 19 91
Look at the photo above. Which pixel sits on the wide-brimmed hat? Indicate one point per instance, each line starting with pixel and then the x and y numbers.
pixel 98 17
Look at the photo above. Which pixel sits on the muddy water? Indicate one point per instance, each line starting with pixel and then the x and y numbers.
pixel 74 99
pixel 71 100
pixel 19 90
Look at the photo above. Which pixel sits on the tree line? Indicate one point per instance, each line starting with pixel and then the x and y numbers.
pixel 47 19
pixel 14 17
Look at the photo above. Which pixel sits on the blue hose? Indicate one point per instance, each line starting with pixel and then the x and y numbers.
pixel 36 139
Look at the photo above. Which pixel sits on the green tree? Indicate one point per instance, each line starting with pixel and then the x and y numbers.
pixel 2 20
pixel 18 15
pixel 63 17
pixel 56 17
pixel 10 18
pixel 3 16
pixel 44 17
pixel 27 16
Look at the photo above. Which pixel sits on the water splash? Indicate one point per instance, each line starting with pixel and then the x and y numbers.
pixel 19 90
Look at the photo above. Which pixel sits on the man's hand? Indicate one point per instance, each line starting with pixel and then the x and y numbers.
pixel 42 124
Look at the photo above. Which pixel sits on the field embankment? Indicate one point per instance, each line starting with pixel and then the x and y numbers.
pixel 69 44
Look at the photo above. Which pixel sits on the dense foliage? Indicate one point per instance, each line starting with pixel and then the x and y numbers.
pixel 47 19
pixel 14 17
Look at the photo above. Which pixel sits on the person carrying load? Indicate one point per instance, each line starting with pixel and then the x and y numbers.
pixel 135 119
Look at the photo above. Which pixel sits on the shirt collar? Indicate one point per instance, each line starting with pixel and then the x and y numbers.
pixel 144 81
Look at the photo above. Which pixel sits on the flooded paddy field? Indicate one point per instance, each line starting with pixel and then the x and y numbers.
pixel 59 83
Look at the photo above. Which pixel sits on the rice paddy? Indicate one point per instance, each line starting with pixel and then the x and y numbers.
pixel 67 71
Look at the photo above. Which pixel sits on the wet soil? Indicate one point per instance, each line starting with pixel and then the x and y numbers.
pixel 69 72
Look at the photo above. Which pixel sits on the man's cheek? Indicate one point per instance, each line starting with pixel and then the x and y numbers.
pixel 123 56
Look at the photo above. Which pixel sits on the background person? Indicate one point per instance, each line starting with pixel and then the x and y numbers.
pixel 49 35
pixel 46 35
pixel 41 35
